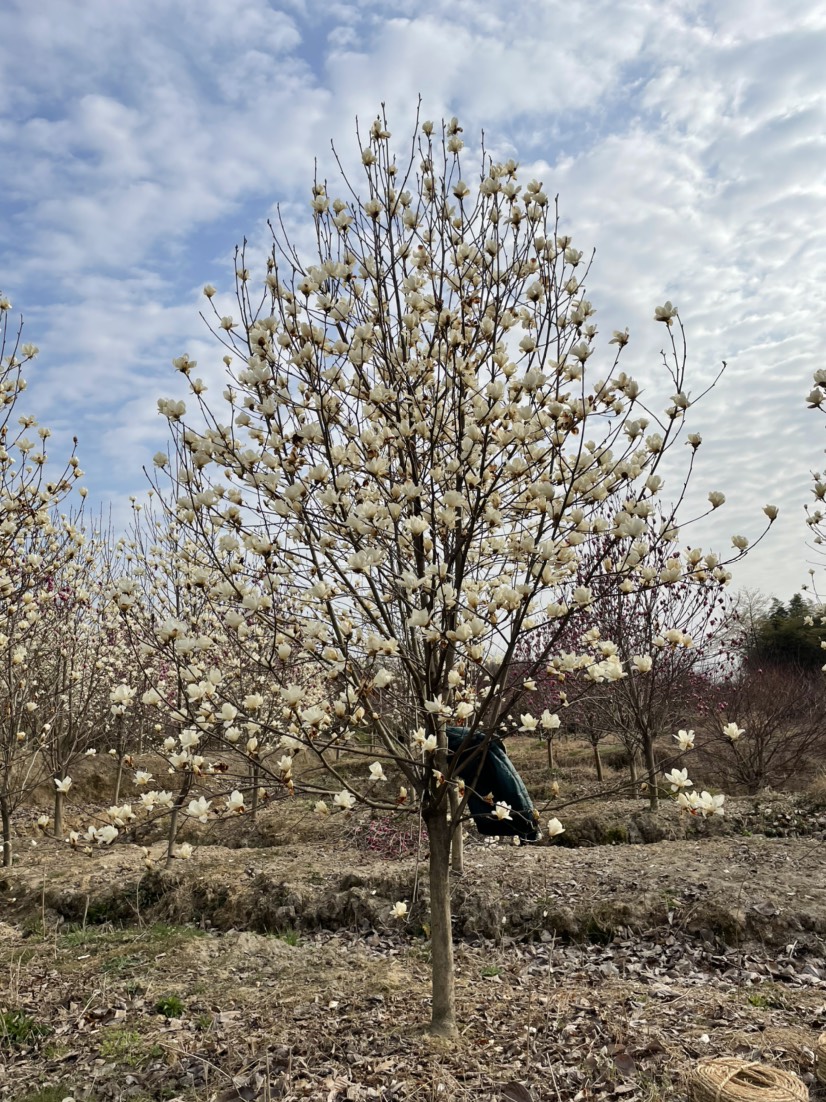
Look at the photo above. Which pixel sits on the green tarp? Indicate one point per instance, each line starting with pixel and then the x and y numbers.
pixel 497 778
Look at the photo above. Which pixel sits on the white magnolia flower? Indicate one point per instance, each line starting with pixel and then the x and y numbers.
pixel 321 808
pixel 64 785
pixel 688 801
pixel 716 498
pixel 642 663
pixel 399 910
pixel 555 828
pixel 665 313
pixel 678 778
pixel 733 732
pixel 709 805
pixel 122 815
pixel 550 720
pixel 184 851
pixel 199 809
pixel 529 723
pixel 438 707
pixel 685 739
pixel 502 811
pixel 235 801
pixel 142 777
pixel 377 772
pixel 345 800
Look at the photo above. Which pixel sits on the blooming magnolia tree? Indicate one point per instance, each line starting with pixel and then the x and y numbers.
pixel 35 544
pixel 413 449
pixel 73 664
pixel 663 631
pixel 208 639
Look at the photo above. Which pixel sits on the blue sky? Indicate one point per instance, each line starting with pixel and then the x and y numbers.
pixel 687 141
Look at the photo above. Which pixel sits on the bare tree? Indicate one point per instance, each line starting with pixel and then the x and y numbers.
pixel 763 726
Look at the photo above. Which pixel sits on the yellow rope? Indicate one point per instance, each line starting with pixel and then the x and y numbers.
pixel 820 1059
pixel 757 1082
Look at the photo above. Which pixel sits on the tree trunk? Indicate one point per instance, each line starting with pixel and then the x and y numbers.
pixel 121 748
pixel 173 819
pixel 173 833
pixel 457 845
pixel 254 777
pixel 118 780
pixel 443 1015
pixel 5 816
pixel 58 814
pixel 633 769
pixel 651 771
pixel 598 764
pixel 551 762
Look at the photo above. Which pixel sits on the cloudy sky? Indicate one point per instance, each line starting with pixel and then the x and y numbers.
pixel 141 140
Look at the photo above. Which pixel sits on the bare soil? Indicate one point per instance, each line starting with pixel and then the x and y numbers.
pixel 269 967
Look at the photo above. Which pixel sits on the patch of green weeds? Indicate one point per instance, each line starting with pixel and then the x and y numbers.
pixel 45 1094
pixel 768 999
pixel 170 1006
pixel 420 952
pixel 126 1046
pixel 491 970
pixel 289 936
pixel 54 1052
pixel 119 966
pixel 760 1001
pixel 18 1028
pixel 159 935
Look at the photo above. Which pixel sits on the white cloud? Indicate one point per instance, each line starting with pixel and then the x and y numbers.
pixel 142 141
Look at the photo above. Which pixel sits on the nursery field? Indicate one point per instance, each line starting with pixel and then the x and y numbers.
pixel 269 966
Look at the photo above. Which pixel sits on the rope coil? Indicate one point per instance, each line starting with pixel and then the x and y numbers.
pixel 820 1059
pixel 728 1079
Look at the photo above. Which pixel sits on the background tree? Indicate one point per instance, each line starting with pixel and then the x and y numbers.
pixel 789 635
pixel 765 725
pixel 667 629
pixel 36 542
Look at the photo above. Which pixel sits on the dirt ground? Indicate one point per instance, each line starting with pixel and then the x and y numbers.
pixel 268 966
pixel 278 972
